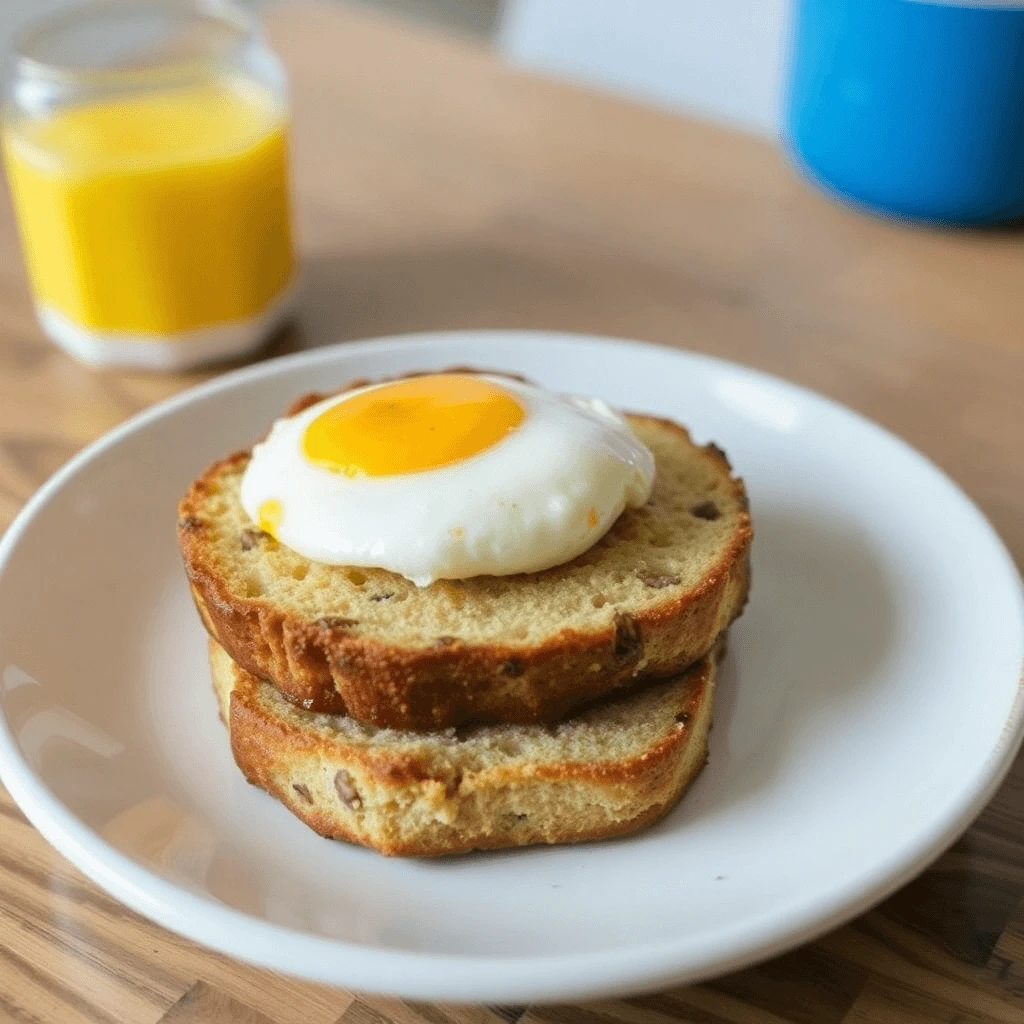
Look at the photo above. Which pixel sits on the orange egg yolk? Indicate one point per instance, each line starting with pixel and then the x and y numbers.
pixel 412 425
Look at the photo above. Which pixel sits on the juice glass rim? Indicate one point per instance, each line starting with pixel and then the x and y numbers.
pixel 218 31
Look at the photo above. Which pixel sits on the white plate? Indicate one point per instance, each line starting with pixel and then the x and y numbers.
pixel 869 706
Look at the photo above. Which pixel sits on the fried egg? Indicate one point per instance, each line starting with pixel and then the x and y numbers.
pixel 447 476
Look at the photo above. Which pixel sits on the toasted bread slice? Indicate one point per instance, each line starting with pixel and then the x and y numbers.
pixel 648 600
pixel 609 771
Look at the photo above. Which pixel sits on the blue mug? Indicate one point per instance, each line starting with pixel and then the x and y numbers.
pixel 909 108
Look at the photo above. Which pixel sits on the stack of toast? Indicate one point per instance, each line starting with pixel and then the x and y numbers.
pixel 564 705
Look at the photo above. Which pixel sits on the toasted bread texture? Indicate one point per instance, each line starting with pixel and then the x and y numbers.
pixel 647 601
pixel 609 771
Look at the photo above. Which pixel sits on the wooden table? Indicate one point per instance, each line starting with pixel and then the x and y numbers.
pixel 438 188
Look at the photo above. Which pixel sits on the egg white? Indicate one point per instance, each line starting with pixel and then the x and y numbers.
pixel 525 504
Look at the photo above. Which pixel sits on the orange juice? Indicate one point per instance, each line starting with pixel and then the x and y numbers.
pixel 161 217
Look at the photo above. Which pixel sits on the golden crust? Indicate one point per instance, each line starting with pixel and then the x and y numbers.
pixel 424 796
pixel 322 666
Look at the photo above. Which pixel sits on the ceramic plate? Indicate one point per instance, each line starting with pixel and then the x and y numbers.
pixel 868 708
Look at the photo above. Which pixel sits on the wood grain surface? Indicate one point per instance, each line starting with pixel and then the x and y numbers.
pixel 438 188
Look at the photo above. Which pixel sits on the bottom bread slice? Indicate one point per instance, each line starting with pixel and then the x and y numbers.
pixel 608 771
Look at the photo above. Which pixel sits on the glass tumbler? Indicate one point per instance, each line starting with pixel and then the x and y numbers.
pixel 146 148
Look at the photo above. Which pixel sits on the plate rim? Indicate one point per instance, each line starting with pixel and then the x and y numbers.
pixel 453 977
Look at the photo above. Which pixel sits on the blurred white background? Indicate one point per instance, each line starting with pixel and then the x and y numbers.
pixel 719 59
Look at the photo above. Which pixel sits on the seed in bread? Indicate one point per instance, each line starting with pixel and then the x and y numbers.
pixel 648 600
pixel 610 771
